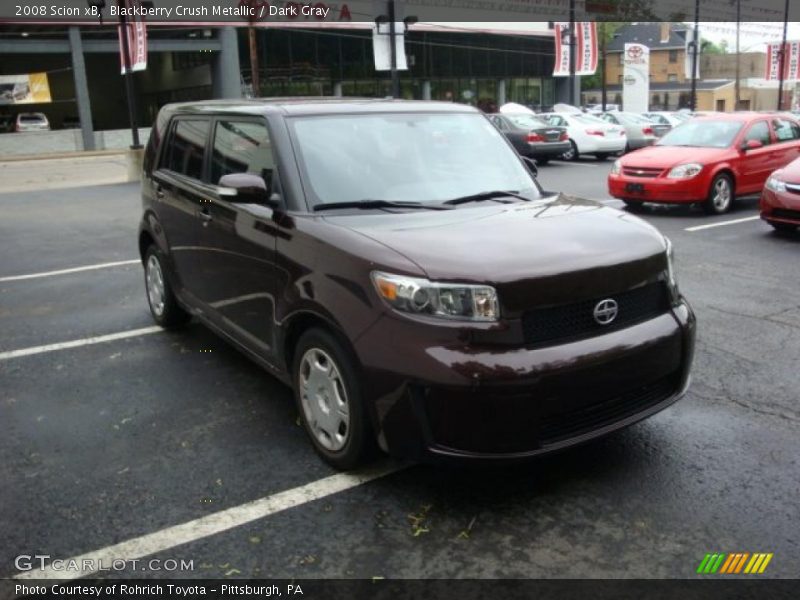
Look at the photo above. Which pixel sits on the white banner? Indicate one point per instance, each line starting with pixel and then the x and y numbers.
pixel 636 78
pixel 382 47
pixel 585 49
pixel 687 65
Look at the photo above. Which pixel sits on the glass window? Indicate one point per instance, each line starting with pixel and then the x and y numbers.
pixel 242 147
pixel 703 133
pixel 786 130
pixel 760 132
pixel 672 77
pixel 673 56
pixel 426 158
pixel 184 153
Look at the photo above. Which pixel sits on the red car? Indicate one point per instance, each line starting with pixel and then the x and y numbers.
pixel 780 200
pixel 710 161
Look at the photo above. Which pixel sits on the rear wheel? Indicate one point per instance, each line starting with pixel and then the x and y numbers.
pixel 164 306
pixel 572 153
pixel 720 195
pixel 328 396
pixel 782 226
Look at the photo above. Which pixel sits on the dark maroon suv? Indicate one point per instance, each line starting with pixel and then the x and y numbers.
pixel 398 265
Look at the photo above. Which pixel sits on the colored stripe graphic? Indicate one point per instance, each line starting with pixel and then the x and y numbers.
pixel 734 563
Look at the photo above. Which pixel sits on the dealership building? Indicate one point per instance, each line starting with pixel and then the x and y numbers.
pixel 466 62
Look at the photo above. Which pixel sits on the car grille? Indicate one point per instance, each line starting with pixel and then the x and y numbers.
pixel 575 321
pixel 785 213
pixel 641 171
pixel 594 416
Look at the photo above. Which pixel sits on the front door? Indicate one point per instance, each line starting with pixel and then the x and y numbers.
pixel 756 164
pixel 237 240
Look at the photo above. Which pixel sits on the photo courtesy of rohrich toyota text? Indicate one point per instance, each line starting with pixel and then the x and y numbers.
pixel 380 299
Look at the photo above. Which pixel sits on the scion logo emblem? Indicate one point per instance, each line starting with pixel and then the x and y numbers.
pixel 605 311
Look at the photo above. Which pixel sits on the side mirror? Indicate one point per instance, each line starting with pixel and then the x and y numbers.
pixel 244 187
pixel 531 164
pixel 752 145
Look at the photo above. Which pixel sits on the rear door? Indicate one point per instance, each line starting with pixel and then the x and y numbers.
pixel 238 239
pixel 787 141
pixel 179 192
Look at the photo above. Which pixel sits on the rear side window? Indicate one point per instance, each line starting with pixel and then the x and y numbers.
pixel 759 132
pixel 786 130
pixel 241 147
pixel 186 146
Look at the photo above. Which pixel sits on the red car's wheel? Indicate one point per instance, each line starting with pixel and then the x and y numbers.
pixel 720 196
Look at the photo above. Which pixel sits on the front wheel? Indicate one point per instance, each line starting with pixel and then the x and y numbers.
pixel 720 195
pixel 328 396
pixel 164 306
pixel 572 153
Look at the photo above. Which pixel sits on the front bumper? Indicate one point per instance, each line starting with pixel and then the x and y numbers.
pixel 504 405
pixel 658 189
pixel 780 207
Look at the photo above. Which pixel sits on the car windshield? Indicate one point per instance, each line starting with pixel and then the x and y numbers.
pixel 703 134
pixel 424 158
pixel 526 121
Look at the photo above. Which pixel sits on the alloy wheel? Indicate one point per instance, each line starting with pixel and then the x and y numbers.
pixel 324 399
pixel 155 286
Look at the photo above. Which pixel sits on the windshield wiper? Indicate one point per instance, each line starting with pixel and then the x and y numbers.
pixel 367 204
pixel 480 197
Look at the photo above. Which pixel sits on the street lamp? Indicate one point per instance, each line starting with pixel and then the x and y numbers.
pixel 98 6
pixel 390 19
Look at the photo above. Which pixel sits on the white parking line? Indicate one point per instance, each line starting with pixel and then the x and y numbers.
pixel 212 524
pixel 119 263
pixel 721 224
pixel 77 343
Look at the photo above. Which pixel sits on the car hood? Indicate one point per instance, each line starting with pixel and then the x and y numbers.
pixel 666 157
pixel 556 250
pixel 791 172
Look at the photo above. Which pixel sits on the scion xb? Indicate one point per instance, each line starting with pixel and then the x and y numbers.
pixel 397 264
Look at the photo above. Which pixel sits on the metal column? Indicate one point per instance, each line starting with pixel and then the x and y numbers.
pixel 225 71
pixel 81 88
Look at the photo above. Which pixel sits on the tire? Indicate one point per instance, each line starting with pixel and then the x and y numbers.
pixel 720 201
pixel 161 299
pixel 322 362
pixel 572 153
pixel 786 227
pixel 601 156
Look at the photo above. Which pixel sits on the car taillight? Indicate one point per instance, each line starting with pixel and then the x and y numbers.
pixel 563 137
pixel 535 137
pixel 647 131
pixel 595 132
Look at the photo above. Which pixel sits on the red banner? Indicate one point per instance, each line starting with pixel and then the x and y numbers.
pixel 585 49
pixel 791 65
pixel 136 32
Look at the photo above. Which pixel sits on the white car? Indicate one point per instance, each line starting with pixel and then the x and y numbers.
pixel 589 135
pixel 31 122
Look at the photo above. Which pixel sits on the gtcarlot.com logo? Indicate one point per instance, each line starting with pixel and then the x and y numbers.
pixel 31 562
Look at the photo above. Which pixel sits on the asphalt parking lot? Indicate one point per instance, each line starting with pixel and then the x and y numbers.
pixel 116 441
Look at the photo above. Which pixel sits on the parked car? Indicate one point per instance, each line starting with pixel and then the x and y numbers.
pixel 31 122
pixel 780 199
pixel 710 160
pixel 589 135
pixel 639 131
pixel 532 136
pixel 673 119
pixel 396 264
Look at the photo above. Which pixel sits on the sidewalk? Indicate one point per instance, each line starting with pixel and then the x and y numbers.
pixel 76 169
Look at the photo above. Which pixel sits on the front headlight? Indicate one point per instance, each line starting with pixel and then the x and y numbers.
pixel 617 167
pixel 685 171
pixel 672 281
pixel 445 300
pixel 775 184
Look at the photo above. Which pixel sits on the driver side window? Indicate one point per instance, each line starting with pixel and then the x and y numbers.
pixel 242 147
pixel 759 132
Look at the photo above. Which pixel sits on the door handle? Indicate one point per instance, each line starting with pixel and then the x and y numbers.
pixel 159 192
pixel 205 217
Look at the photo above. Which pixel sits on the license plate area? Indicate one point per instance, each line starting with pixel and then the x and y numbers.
pixel 634 188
